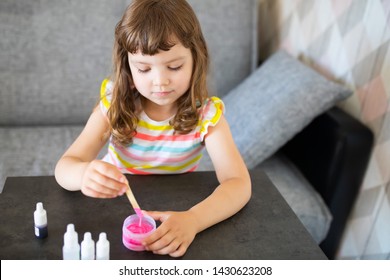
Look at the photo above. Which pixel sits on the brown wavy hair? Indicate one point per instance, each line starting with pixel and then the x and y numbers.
pixel 149 26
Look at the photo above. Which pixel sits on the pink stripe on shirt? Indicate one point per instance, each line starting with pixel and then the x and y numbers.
pixel 179 137
pixel 129 154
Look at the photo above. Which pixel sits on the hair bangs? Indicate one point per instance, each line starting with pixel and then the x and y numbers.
pixel 148 35
pixel 150 43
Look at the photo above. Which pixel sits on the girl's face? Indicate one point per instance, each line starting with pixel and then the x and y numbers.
pixel 162 78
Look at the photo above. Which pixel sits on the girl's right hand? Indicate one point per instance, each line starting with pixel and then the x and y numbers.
pixel 103 180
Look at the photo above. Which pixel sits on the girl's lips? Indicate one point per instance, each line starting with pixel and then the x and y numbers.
pixel 162 93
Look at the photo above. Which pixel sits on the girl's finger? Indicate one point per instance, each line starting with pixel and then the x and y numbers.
pixel 157 215
pixel 110 171
pixel 112 186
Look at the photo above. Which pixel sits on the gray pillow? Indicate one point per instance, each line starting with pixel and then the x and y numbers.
pixel 275 103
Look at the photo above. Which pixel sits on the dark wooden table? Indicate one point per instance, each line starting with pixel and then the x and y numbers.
pixel 266 228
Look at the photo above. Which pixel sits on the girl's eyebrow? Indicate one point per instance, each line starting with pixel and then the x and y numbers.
pixel 166 62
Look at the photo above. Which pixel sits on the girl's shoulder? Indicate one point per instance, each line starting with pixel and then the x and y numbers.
pixel 210 113
pixel 106 94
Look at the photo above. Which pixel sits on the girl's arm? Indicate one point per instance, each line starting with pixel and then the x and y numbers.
pixel 178 229
pixel 78 168
pixel 234 190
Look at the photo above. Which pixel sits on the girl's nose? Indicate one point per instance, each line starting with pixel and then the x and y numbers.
pixel 160 80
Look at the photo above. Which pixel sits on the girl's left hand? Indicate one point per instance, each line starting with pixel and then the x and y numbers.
pixel 174 235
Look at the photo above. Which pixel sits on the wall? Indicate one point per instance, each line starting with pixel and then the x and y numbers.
pixel 348 41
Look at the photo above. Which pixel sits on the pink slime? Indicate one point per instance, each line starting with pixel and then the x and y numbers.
pixel 143 228
pixel 139 213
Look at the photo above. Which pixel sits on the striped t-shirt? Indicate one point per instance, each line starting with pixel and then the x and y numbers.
pixel 155 148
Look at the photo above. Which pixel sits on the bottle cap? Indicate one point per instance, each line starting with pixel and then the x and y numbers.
pixel 40 217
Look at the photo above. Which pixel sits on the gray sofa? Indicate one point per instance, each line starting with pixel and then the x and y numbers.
pixel 54 55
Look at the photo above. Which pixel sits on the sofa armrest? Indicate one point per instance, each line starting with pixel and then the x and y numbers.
pixel 333 152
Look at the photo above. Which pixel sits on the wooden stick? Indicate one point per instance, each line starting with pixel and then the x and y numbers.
pixel 131 198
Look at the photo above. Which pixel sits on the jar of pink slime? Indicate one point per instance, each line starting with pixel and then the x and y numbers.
pixel 134 231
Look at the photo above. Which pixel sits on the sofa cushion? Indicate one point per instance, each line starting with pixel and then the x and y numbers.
pixel 32 151
pixel 55 53
pixel 306 203
pixel 230 29
pixel 276 102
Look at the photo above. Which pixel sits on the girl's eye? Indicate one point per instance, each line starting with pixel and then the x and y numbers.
pixel 143 70
pixel 175 68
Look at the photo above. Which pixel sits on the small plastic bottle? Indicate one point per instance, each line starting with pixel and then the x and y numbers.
pixel 103 247
pixel 87 247
pixel 71 249
pixel 40 221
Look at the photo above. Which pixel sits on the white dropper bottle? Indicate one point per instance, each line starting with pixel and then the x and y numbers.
pixel 103 247
pixel 71 249
pixel 40 221
pixel 87 247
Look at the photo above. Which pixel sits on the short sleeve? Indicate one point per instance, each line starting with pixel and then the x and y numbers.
pixel 105 95
pixel 211 113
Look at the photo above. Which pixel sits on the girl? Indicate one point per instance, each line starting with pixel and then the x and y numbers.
pixel 157 117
